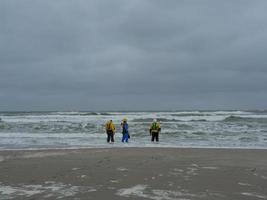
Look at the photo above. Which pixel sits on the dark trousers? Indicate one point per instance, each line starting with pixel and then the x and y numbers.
pixel 155 135
pixel 110 136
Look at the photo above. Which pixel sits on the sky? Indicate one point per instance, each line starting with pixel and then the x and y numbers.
pixel 75 55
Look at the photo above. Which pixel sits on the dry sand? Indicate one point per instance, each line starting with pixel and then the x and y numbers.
pixel 134 173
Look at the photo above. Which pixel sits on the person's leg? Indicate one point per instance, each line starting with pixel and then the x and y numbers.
pixel 107 137
pixel 157 136
pixel 126 137
pixel 123 137
pixel 153 137
pixel 112 137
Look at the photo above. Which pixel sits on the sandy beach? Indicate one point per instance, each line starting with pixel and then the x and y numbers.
pixel 134 173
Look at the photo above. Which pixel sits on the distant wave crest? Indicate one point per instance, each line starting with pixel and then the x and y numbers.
pixel 244 119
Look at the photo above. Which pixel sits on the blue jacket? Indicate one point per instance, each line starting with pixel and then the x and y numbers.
pixel 125 128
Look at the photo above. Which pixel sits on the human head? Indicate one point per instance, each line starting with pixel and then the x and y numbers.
pixel 154 120
pixel 124 120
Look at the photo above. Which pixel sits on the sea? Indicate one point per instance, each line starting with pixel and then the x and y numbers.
pixel 180 129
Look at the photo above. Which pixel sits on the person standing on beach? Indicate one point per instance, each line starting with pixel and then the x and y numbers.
pixel 154 130
pixel 125 131
pixel 110 129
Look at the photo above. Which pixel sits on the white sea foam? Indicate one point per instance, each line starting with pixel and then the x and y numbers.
pixel 114 181
pixel 244 184
pixel 212 168
pixel 183 129
pixel 137 190
pixel 53 189
pixel 42 154
pixel 10 192
pixel 144 191
pixel 122 169
pixel 260 196
pixel 178 170
pixel 171 195
pixel 192 171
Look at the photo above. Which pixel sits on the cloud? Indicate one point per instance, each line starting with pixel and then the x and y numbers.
pixel 147 54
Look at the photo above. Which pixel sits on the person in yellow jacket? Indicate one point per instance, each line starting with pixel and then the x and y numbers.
pixel 110 129
pixel 154 130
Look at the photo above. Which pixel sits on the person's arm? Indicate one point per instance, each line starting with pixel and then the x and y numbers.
pixel 159 128
pixel 113 128
pixel 127 128
pixel 106 126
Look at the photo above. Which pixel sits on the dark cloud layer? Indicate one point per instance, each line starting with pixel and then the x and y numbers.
pixel 133 55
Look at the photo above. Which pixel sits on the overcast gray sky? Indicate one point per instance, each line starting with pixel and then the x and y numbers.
pixel 133 55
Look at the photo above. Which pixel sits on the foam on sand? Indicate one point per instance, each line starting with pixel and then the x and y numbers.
pixel 253 195
pixel 10 192
pixel 122 169
pixel 155 194
pixel 244 184
pixel 114 181
pixel 137 190
pixel 42 154
pixel 212 168
pixel 53 189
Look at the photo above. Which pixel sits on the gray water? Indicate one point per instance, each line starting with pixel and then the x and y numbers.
pixel 216 129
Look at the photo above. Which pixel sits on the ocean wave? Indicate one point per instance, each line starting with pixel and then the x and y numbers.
pixel 176 120
pixel 196 128
pixel 191 114
pixel 24 113
pixel 83 113
pixel 249 139
pixel 183 126
pixel 150 120
pixel 198 120
pixel 88 114
pixel 245 119
pixel 43 127
pixel 75 113
pixel 4 125
pixel 200 133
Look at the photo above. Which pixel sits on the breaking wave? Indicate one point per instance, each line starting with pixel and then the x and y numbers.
pixel 245 119
pixel 233 129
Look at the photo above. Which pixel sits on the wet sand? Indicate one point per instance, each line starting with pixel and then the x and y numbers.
pixel 134 173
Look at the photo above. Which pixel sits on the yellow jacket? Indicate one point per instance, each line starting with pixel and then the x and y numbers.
pixel 155 128
pixel 110 126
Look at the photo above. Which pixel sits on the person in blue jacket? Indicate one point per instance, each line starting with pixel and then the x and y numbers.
pixel 125 131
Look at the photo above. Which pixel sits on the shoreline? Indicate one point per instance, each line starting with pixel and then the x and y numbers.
pixel 134 147
pixel 134 173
